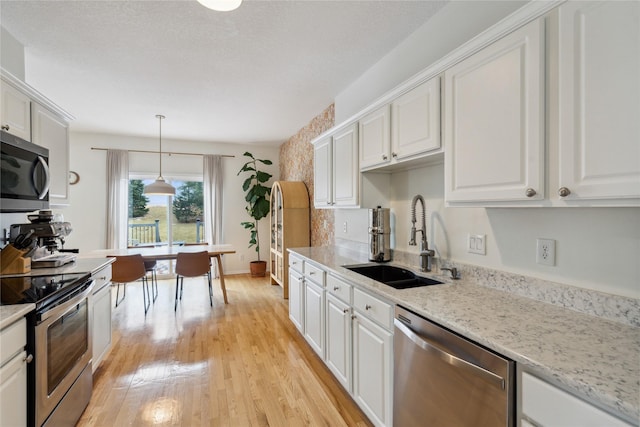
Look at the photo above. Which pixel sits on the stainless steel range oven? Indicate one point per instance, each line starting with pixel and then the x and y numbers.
pixel 60 379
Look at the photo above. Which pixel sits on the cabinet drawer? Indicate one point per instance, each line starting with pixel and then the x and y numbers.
pixel 12 340
pixel 101 278
pixel 295 263
pixel 339 288
pixel 314 273
pixel 373 308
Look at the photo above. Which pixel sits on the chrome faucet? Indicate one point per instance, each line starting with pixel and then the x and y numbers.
pixel 425 253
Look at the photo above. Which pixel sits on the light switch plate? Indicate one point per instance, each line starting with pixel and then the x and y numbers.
pixel 476 244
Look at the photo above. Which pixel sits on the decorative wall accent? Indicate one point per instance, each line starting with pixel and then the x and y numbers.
pixel 296 164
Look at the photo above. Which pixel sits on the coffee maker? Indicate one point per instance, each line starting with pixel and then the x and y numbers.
pixel 43 239
pixel 379 234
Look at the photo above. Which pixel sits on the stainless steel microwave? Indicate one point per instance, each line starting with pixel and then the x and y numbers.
pixel 25 175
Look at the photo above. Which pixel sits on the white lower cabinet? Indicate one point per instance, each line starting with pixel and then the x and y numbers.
pixel 544 405
pixel 13 374
pixel 372 370
pixel 296 293
pixel 314 316
pixel 100 301
pixel 338 342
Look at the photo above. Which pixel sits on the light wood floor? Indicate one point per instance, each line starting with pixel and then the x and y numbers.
pixel 243 364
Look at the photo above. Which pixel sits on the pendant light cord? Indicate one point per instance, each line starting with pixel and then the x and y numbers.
pixel 160 117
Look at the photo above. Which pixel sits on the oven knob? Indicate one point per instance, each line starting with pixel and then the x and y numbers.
pixel 28 358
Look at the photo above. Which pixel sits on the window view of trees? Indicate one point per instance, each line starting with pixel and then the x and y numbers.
pixel 152 213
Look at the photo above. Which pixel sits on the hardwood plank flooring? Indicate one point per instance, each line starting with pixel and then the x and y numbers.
pixel 241 364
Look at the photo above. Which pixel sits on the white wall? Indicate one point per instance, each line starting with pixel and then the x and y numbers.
pixel 596 248
pixel 88 198
pixel 456 23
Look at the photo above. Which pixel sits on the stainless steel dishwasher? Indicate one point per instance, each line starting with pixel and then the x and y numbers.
pixel 442 379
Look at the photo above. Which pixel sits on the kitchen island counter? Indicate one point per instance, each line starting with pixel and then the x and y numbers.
pixel 592 357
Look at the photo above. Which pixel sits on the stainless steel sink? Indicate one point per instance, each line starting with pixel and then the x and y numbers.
pixel 396 277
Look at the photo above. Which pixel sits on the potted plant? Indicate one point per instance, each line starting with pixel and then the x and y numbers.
pixel 258 205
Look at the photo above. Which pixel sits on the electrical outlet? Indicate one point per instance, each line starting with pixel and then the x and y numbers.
pixel 344 227
pixel 546 252
pixel 476 244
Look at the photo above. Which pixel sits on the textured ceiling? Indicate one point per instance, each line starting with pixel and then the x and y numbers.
pixel 254 75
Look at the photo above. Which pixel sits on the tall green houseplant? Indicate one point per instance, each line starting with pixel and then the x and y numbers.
pixel 257 196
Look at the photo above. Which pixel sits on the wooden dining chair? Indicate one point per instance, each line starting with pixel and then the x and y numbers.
pixel 192 264
pixel 129 268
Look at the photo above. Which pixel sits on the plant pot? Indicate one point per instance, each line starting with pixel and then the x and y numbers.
pixel 258 268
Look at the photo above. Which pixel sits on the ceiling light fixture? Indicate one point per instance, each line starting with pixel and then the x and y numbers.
pixel 221 5
pixel 160 187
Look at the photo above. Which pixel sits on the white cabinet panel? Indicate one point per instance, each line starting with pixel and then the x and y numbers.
pixel 548 406
pixel 338 343
pixel 599 99
pixel 372 370
pixel 323 173
pixel 346 172
pixel 415 120
pixel 13 392
pixel 494 121
pixel 15 111
pixel 296 303
pixel 375 138
pixel 314 316
pixel 50 131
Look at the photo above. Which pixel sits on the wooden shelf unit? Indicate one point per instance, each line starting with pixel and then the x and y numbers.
pixel 289 221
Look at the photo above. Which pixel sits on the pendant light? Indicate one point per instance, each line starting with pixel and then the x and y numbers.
pixel 160 187
pixel 221 5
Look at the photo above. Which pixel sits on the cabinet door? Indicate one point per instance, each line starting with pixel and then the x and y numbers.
pixel 314 316
pixel 338 344
pixel 15 113
pixel 322 173
pixel 494 122
pixel 296 294
pixel 375 138
pixel 416 120
pixel 13 392
pixel 599 89
pixel 346 172
pixel 101 325
pixel 50 131
pixel 372 370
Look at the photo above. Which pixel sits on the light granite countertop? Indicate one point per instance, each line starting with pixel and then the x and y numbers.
pixel 591 357
pixel 13 313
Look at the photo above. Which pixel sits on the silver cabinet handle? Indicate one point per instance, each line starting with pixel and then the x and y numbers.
pixel 311 273
pixel 28 358
pixel 384 157
pixel 345 311
pixel 5 127
pixel 367 307
pixel 449 358
pixel 394 155
pixel 530 192
pixel 563 192
pixel 335 288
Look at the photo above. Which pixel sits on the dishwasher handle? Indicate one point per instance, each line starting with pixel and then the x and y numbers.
pixel 449 358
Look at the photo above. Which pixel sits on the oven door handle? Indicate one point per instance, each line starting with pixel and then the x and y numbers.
pixel 447 357
pixel 67 306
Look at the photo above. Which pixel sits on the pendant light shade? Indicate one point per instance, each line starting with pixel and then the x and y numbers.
pixel 160 187
pixel 221 5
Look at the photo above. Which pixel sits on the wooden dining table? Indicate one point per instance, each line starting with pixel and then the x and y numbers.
pixel 162 253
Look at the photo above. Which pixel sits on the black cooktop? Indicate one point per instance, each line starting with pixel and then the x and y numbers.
pixel 41 290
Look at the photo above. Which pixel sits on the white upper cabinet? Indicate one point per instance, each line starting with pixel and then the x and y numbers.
pixel 51 131
pixel 375 138
pixel 335 169
pixel 322 172
pixel 599 101
pixel 15 112
pixel 407 129
pixel 494 121
pixel 415 121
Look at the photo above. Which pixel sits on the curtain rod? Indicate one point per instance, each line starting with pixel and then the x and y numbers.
pixel 164 152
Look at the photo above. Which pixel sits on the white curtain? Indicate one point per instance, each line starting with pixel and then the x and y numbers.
pixel 212 179
pixel 117 198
